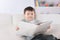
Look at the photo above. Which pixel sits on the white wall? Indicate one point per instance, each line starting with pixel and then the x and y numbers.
pixel 14 6
pixel 5 19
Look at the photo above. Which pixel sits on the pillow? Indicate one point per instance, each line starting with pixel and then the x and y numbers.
pixel 26 29
pixel 42 28
pixel 29 29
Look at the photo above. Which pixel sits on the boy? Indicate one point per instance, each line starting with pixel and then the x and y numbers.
pixel 30 17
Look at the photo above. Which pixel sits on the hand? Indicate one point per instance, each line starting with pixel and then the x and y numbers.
pixel 17 28
pixel 49 28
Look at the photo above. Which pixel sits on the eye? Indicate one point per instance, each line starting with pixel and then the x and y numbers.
pixel 31 13
pixel 27 13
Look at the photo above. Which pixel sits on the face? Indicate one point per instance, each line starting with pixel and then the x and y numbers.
pixel 29 15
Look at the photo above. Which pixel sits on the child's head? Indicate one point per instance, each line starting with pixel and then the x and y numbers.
pixel 29 13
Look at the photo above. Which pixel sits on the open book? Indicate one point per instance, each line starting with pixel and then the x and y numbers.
pixel 30 29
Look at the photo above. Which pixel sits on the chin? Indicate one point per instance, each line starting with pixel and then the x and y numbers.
pixel 30 20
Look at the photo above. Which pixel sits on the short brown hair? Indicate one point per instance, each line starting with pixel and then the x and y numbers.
pixel 29 9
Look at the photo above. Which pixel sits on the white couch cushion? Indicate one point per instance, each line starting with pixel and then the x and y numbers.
pixel 5 19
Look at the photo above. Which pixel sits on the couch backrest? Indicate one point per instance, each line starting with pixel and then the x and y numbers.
pixel 5 19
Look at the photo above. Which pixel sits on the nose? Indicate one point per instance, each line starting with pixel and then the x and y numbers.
pixel 30 15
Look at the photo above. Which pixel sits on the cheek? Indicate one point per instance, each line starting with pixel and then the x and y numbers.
pixel 26 16
pixel 34 16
